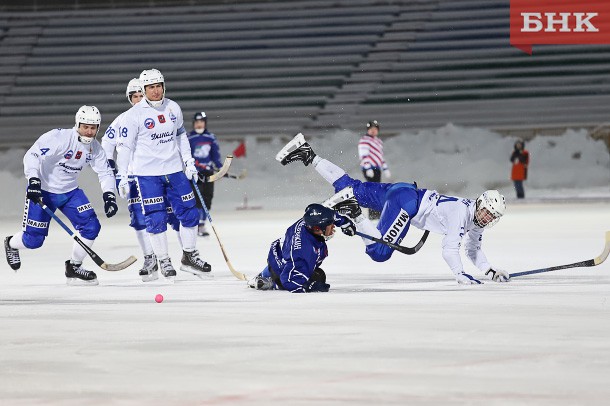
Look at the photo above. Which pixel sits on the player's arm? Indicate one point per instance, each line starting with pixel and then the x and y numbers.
pixel 215 154
pixel 125 145
pixel 296 274
pixel 475 253
pixel 100 165
pixel 455 213
pixel 109 141
pixel 45 146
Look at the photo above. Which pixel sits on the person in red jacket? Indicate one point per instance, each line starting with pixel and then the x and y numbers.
pixel 520 159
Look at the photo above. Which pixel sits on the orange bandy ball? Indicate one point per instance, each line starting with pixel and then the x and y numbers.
pixel 159 298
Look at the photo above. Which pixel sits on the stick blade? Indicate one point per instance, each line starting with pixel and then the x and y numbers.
pixel 604 254
pixel 222 171
pixel 120 266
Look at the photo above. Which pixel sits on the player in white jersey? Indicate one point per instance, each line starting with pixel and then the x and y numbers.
pixel 403 204
pixel 52 166
pixel 153 138
pixel 148 272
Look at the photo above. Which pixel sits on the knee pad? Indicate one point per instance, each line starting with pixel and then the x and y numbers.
pixel 379 252
pixel 33 241
pixel 189 217
pixel 156 222
pixel 137 220
pixel 91 229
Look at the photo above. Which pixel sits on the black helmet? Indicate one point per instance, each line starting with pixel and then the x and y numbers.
pixel 200 116
pixel 317 215
pixel 372 123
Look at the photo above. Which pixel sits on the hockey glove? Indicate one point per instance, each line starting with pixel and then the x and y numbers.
pixel 112 166
pixel 190 170
pixel 317 286
pixel 34 191
pixel 349 228
pixel 465 279
pixel 123 187
pixel 370 173
pixel 110 206
pixel 387 174
pixel 498 275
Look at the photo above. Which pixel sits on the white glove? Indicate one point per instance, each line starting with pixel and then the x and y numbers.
pixel 498 275
pixel 387 174
pixel 465 279
pixel 369 173
pixel 123 187
pixel 190 171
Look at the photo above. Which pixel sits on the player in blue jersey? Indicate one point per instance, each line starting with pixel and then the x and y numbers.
pixel 206 152
pixel 294 261
pixel 404 204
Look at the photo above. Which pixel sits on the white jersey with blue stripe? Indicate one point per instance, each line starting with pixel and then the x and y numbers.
pixel 156 138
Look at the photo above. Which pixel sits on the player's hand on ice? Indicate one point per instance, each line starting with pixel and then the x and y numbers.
pixel 110 206
pixel 498 275
pixel 123 187
pixel 465 279
pixel 34 191
pixel 387 174
pixel 317 286
pixel 190 170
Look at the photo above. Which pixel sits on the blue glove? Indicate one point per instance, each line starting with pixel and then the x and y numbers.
pixel 317 286
pixel 34 191
pixel 347 225
pixel 110 206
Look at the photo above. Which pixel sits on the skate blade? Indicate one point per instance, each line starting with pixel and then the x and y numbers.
pixel 202 275
pixel 292 145
pixel 151 277
pixel 80 282
pixel 341 196
pixel 169 279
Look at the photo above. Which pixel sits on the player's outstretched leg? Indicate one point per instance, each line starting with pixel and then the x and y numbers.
pixel 149 271
pixel 296 150
pixel 77 275
pixel 192 263
pixel 345 203
pixel 12 254
pixel 167 269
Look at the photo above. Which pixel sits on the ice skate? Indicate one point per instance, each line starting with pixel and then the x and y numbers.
pixel 12 254
pixel 167 270
pixel 149 271
pixel 192 263
pixel 202 231
pixel 296 150
pixel 345 203
pixel 77 275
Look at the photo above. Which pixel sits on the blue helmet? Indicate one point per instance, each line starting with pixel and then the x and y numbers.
pixel 317 215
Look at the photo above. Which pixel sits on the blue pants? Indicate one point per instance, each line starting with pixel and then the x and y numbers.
pixel 398 203
pixel 74 205
pixel 157 191
pixel 136 214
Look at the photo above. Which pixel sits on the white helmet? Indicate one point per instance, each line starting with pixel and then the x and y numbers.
pixel 88 115
pixel 133 86
pixel 149 77
pixel 495 204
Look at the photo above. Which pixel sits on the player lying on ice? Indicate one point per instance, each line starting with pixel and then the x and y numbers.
pixel 402 204
pixel 293 263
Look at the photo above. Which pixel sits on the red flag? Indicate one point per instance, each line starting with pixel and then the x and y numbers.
pixel 240 150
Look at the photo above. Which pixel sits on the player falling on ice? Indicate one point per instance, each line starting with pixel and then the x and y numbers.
pixel 149 270
pixel 153 138
pixel 52 166
pixel 294 261
pixel 402 204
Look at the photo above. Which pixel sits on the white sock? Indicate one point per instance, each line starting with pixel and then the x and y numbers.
pixel 78 252
pixel 144 242
pixel 188 236
pixel 179 238
pixel 159 245
pixel 365 226
pixel 17 241
pixel 328 170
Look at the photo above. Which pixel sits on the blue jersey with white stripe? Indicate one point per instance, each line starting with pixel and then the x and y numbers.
pixel 205 150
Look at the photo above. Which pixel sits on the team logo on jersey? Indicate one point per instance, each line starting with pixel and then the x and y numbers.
pixel 161 118
pixel 396 228
pixel 88 158
pixel 149 123
pixel 172 116
pixel 84 207
pixel 78 155
pixel 68 154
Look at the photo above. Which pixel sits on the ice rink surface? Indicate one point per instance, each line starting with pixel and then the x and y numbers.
pixel 395 333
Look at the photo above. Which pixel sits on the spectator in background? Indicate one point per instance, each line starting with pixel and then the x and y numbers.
pixel 206 152
pixel 520 159
pixel 372 162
